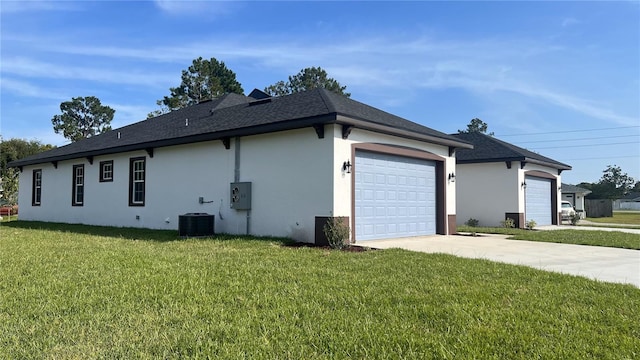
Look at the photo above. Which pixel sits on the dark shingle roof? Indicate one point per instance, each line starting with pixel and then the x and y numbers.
pixel 568 188
pixel 489 149
pixel 634 196
pixel 238 115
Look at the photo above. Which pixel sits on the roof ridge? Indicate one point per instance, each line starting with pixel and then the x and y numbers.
pixel 331 107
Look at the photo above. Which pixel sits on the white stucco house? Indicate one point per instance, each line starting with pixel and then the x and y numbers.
pixel 631 201
pixel 575 195
pixel 497 181
pixel 272 166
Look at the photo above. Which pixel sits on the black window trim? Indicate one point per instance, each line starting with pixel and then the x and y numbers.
pixel 36 196
pixel 132 161
pixel 75 186
pixel 102 177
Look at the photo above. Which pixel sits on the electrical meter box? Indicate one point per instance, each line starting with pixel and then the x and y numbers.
pixel 240 196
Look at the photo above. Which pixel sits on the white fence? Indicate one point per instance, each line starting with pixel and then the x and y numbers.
pixel 626 205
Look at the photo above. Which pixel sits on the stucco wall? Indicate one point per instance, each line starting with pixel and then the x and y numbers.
pixel 486 192
pixel 290 173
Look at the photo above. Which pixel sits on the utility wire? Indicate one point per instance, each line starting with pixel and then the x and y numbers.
pixel 569 131
pixel 604 157
pixel 579 139
pixel 587 145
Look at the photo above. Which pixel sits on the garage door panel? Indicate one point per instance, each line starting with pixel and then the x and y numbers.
pixel 402 194
pixel 538 200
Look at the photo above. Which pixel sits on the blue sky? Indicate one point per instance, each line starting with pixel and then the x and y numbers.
pixel 558 78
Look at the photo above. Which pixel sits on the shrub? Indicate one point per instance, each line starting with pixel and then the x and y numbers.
pixel 508 223
pixel 472 222
pixel 575 218
pixel 337 232
pixel 530 224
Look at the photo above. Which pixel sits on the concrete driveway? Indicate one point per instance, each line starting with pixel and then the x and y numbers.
pixel 594 262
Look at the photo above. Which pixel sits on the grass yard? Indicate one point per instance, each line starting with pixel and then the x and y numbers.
pixel 7 218
pixel 616 239
pixel 620 217
pixel 69 291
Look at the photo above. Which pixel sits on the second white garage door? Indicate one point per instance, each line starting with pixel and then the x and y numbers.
pixel 395 196
pixel 538 200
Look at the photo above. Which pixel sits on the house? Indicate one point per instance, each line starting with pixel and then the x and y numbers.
pixel 272 166
pixel 631 201
pixel 497 181
pixel 575 195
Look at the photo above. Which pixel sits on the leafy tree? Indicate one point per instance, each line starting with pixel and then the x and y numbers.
pixel 82 117
pixel 612 185
pixel 203 80
pixel 307 79
pixel 636 187
pixel 476 126
pixel 15 149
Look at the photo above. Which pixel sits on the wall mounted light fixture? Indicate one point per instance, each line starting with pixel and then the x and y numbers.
pixel 346 166
pixel 452 177
pixel 523 185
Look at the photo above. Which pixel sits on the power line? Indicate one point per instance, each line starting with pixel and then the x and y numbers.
pixel 588 145
pixel 569 131
pixel 578 139
pixel 603 158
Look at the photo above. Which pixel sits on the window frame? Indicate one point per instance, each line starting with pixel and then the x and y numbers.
pixel 103 164
pixel 36 187
pixel 77 187
pixel 133 181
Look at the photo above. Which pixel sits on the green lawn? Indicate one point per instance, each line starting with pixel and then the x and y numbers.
pixel 617 239
pixel 89 292
pixel 620 217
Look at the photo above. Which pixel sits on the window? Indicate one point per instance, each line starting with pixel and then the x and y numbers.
pixel 78 185
pixel 36 190
pixel 136 181
pixel 106 171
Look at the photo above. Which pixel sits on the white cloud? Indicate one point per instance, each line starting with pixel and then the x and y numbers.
pixel 188 7
pixel 27 67
pixel 31 6
pixel 24 88
pixel 569 21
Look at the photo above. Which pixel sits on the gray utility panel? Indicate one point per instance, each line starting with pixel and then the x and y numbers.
pixel 240 195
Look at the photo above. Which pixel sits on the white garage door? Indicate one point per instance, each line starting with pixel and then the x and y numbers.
pixel 395 196
pixel 538 200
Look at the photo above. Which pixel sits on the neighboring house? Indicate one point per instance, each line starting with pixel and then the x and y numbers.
pixel 631 201
pixel 497 181
pixel 296 160
pixel 575 195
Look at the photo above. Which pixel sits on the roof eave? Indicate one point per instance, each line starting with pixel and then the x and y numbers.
pixel 219 135
pixel 365 125
pixel 331 118
pixel 558 166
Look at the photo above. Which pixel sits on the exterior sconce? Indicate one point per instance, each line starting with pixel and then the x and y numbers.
pixel 346 166
pixel 523 185
pixel 452 177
